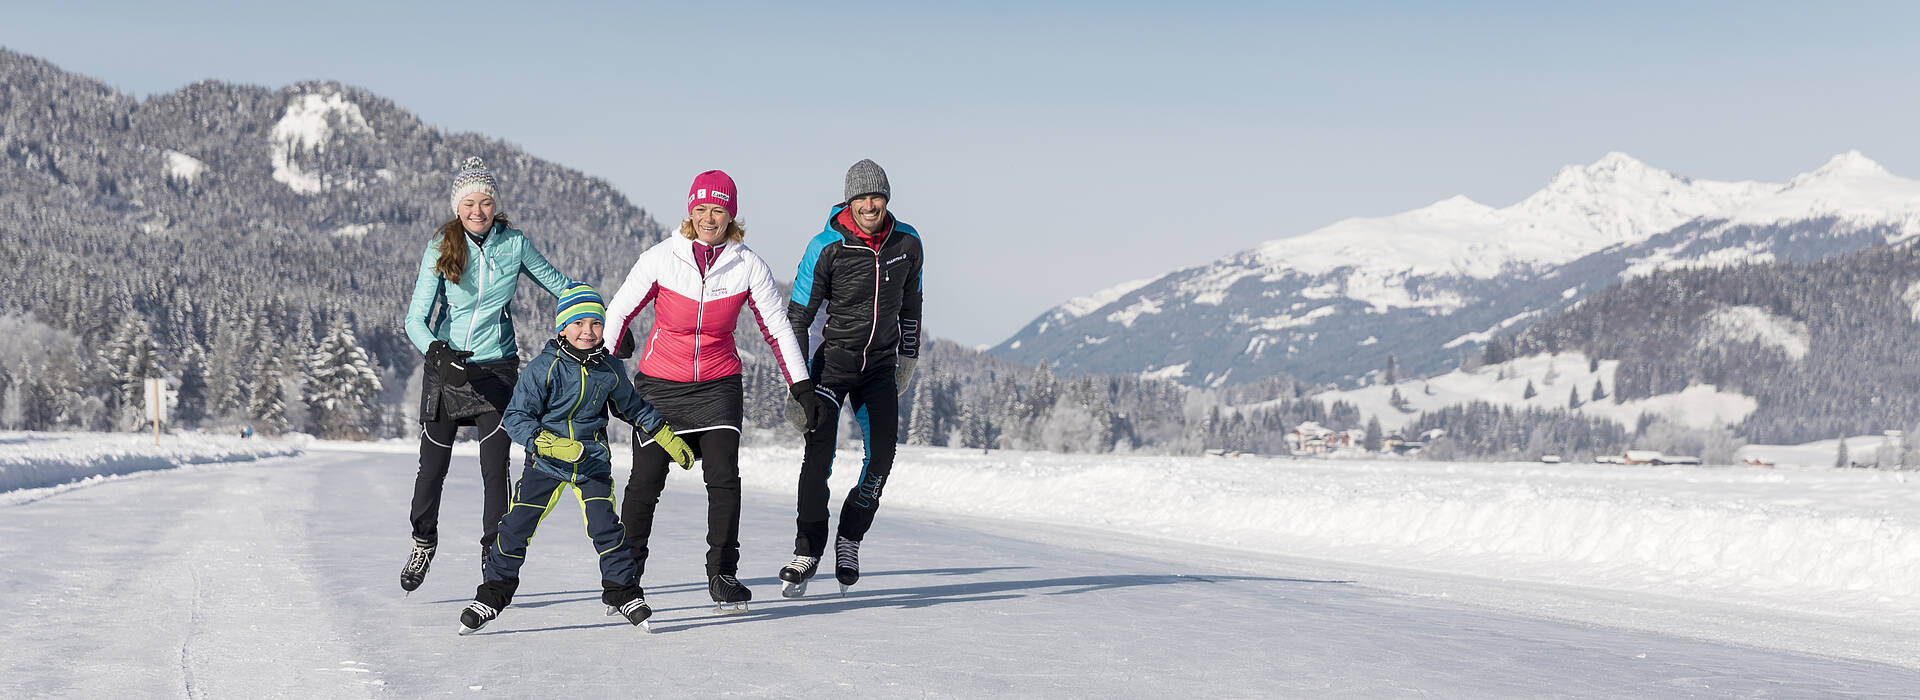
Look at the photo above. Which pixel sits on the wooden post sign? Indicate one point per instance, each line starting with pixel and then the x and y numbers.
pixel 156 404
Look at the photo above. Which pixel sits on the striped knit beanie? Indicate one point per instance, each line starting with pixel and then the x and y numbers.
pixel 578 301
pixel 473 177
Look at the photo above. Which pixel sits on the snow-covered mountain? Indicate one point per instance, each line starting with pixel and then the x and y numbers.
pixel 1430 284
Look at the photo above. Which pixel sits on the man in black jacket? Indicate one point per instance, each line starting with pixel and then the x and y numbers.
pixel 865 267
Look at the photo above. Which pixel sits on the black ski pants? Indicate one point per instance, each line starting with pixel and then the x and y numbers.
pixel 872 397
pixel 436 453
pixel 719 453
pixel 534 496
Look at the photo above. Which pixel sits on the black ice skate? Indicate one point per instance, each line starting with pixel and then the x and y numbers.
pixel 476 616
pixel 636 611
pixel 416 569
pixel 729 596
pixel 846 562
pixel 795 574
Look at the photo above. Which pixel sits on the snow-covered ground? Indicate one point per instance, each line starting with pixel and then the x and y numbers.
pixel 1002 573
pixel 1556 379
pixel 33 463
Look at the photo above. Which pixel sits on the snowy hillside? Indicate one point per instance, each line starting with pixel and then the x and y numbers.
pixel 1332 304
pixel 1557 381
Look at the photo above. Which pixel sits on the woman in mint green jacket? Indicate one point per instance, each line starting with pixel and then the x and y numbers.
pixel 460 320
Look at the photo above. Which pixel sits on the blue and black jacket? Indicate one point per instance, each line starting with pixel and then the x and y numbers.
pixel 872 300
pixel 569 393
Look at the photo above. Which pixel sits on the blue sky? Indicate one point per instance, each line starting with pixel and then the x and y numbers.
pixel 1048 150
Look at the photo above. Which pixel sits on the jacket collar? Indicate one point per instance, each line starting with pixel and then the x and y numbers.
pixel 586 358
pixel 853 236
pixel 683 249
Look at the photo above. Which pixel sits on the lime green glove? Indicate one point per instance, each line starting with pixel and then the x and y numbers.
pixel 676 448
pixel 551 445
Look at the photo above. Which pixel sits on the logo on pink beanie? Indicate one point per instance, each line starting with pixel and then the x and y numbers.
pixel 714 187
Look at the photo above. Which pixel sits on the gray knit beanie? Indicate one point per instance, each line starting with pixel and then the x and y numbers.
pixel 865 178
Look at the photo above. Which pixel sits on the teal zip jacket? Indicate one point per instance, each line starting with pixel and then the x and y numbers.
pixel 478 317
pixel 559 393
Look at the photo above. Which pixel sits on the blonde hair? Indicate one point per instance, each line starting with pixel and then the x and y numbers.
pixel 735 231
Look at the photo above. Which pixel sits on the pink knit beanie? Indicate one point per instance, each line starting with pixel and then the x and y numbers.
pixel 714 187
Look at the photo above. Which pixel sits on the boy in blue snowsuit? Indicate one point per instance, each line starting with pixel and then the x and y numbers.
pixel 559 414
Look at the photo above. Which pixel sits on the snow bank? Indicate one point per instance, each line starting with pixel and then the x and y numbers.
pixel 1820 541
pixel 30 460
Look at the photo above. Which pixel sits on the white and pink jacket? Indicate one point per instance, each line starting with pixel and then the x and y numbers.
pixel 694 311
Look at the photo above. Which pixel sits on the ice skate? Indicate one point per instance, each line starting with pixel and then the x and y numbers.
pixel 476 616
pixel 729 596
pixel 794 575
pixel 846 565
pixel 415 571
pixel 636 611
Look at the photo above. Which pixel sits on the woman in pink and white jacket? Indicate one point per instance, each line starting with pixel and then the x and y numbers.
pixel 698 283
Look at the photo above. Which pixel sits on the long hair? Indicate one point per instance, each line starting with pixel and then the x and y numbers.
pixel 453 250
pixel 735 231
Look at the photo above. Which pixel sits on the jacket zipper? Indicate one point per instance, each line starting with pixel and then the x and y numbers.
pixel 486 275
pixel 570 412
pixel 699 322
pixel 873 325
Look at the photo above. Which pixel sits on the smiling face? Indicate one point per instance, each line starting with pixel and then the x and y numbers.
pixel 869 212
pixel 476 212
pixel 583 334
pixel 710 223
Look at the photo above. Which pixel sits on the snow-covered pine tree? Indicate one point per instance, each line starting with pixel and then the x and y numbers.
pixel 1530 391
pixel 301 353
pixel 343 386
pixel 1391 374
pixel 1573 398
pixel 266 405
pixel 1371 442
pixel 920 421
pixel 190 399
pixel 1840 460
pixel 1599 392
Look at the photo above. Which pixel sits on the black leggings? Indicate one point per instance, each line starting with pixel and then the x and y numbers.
pixel 719 452
pixel 436 452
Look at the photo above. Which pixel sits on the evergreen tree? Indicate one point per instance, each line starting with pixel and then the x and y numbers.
pixel 920 422
pixel 1599 392
pixel 190 399
pixel 1573 398
pixel 1390 375
pixel 1840 460
pixel 1372 441
pixel 344 386
pixel 1397 401
pixel 1530 392
pixel 266 405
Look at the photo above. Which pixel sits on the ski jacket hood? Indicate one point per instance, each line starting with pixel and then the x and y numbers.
pixel 477 314
pixel 559 393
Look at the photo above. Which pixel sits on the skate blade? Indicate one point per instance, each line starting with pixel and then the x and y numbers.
pixel 789 589
pixel 729 608
pixel 465 630
pixel 843 590
pixel 647 625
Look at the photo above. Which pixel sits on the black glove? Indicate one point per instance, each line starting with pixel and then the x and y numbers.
pixel 449 363
pixel 809 416
pixel 623 348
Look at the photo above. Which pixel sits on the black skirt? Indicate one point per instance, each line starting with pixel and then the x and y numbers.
pixel 692 407
pixel 488 389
